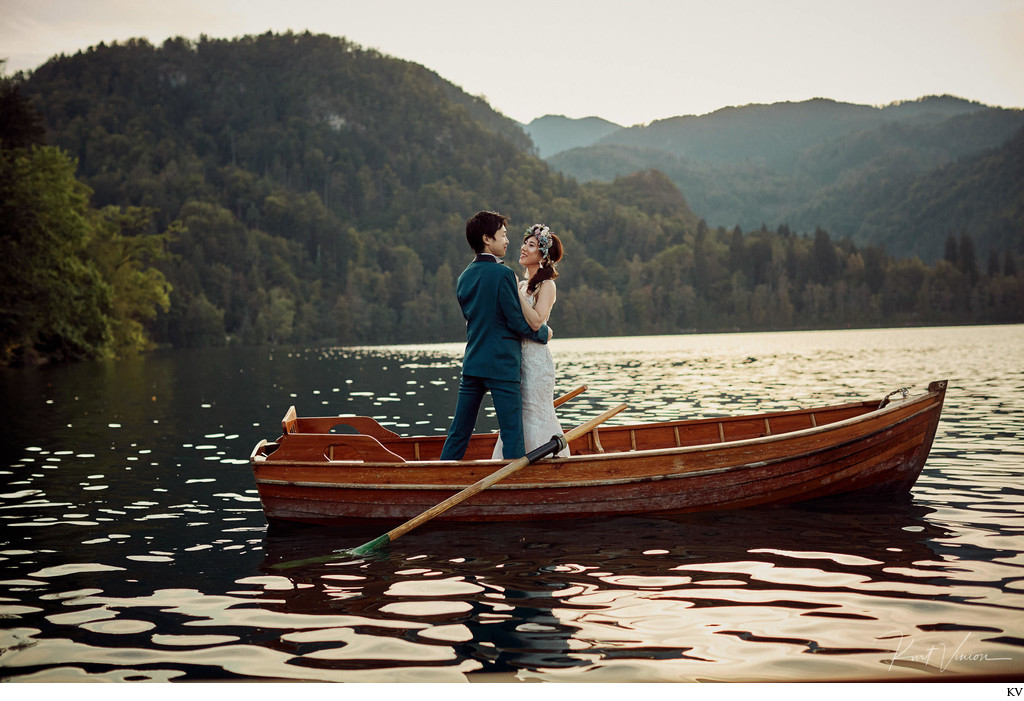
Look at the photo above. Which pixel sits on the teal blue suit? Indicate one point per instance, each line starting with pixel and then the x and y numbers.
pixel 494 328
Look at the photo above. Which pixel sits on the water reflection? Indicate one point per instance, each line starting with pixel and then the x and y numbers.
pixel 714 596
pixel 133 545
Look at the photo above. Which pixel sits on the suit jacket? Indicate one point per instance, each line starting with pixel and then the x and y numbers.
pixel 489 298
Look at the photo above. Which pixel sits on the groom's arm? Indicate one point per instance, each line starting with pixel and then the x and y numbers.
pixel 512 310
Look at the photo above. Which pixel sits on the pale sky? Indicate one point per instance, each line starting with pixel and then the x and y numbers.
pixel 629 61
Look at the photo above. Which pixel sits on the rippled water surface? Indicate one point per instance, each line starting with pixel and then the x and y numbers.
pixel 133 546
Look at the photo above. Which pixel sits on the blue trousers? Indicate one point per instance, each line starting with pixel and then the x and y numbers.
pixel 508 404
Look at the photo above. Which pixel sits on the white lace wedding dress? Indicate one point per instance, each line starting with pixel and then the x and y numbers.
pixel 537 383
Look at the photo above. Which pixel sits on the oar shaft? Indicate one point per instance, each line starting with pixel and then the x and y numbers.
pixel 570 395
pixel 552 446
pixel 454 499
pixel 479 486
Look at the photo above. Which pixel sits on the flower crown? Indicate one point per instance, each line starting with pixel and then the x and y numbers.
pixel 544 239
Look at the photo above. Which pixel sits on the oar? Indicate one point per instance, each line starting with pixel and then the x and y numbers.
pixel 553 446
pixel 571 395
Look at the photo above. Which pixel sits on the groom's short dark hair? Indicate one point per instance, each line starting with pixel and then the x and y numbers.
pixel 483 224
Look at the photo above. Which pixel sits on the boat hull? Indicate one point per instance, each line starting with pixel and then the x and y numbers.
pixel 880 451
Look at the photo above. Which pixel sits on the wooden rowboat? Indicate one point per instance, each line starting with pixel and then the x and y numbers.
pixel 374 475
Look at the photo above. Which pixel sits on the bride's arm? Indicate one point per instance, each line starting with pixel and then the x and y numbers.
pixel 533 318
pixel 545 300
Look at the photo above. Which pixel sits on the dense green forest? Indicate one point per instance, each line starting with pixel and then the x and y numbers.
pixel 299 188
pixel 74 281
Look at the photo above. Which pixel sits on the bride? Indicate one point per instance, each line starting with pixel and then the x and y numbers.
pixel 540 251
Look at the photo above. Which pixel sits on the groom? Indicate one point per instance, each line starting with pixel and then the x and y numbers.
pixel 488 295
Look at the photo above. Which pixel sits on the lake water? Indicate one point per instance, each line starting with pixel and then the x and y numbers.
pixel 133 546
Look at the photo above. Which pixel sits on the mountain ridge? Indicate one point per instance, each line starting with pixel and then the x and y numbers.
pixel 552 134
pixel 778 163
pixel 310 189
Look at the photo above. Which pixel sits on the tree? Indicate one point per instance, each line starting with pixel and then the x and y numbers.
pixel 824 258
pixel 968 262
pixel 123 252
pixel 74 282
pixel 993 263
pixel 21 125
pixel 951 252
pixel 53 302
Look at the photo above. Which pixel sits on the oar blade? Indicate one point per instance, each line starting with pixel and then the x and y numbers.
pixel 335 556
pixel 370 547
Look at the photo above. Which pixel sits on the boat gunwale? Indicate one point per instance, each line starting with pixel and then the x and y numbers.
pixel 258 460
pixel 606 499
pixel 621 455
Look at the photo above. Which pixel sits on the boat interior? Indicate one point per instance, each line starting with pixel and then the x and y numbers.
pixel 362 438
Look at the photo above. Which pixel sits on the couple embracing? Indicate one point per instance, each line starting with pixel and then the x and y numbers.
pixel 506 339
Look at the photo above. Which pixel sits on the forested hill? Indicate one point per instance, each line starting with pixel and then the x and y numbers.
pixel 778 133
pixel 845 167
pixel 308 189
pixel 322 188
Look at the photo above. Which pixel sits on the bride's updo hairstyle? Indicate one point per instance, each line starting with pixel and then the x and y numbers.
pixel 551 251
